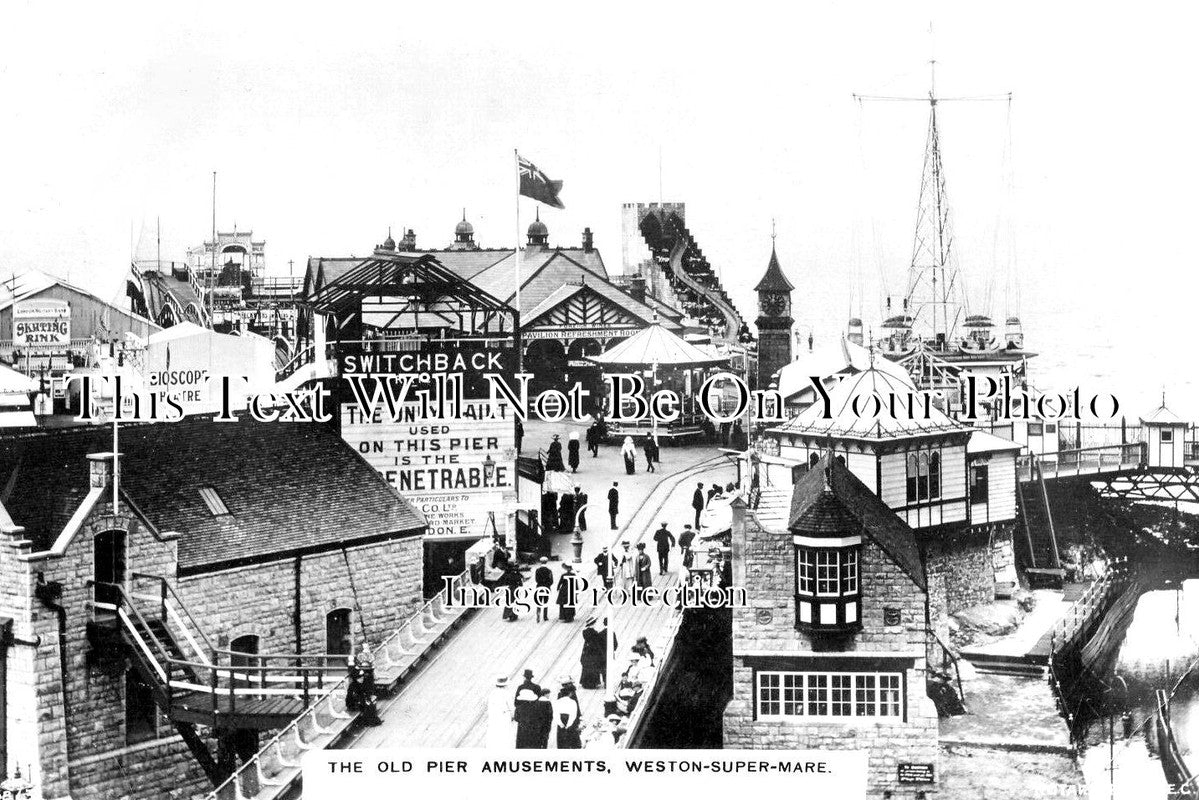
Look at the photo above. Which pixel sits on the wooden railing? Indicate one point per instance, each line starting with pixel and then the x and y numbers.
pixel 1070 634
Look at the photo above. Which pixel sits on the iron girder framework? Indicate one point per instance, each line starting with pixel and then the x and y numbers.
pixel 935 298
pixel 1179 484
pixel 392 302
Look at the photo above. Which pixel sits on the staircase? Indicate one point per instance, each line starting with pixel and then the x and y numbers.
pixel 1039 544
pixel 194 683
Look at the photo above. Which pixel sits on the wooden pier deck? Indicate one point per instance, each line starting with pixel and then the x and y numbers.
pixel 445 703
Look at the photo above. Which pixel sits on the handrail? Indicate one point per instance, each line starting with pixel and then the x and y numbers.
pixel 292 729
pixel 166 585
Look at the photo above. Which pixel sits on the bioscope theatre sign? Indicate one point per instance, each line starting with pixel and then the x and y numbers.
pixel 41 323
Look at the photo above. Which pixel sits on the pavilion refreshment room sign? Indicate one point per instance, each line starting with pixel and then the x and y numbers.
pixel 42 323
pixel 456 472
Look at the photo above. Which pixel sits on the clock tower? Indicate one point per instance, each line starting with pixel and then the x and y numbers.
pixel 774 320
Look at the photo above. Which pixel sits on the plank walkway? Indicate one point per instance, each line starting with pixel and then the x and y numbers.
pixel 445 703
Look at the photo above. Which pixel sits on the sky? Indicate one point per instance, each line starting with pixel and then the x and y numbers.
pixel 326 125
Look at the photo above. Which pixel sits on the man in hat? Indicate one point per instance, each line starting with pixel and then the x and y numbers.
pixel 685 540
pixel 613 503
pixel 534 719
pixel 509 582
pixel 527 685
pixel 499 716
pixel 665 541
pixel 543 578
pixel 644 567
pixel 566 592
pixel 697 501
pixel 603 568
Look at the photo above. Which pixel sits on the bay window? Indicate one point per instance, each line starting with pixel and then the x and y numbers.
pixel 827 583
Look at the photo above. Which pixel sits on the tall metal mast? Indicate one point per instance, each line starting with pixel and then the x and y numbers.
pixel 935 298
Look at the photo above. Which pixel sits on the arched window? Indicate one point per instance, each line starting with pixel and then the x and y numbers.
pixel 243 653
pixel 922 482
pixel 338 639
pixel 934 475
pixel 812 459
pixel 913 476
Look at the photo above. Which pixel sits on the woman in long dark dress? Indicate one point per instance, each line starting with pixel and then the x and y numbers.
pixel 592 659
pixel 553 456
pixel 566 513
pixel 572 451
pixel 567 718
pixel 566 610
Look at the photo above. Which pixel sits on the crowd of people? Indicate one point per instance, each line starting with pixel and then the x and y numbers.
pixel 532 716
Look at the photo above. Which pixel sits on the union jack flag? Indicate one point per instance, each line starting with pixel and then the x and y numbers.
pixel 536 184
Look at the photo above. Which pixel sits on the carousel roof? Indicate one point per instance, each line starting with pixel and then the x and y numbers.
pixel 656 345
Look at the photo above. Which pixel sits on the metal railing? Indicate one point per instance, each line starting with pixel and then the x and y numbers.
pixel 277 764
pixel 1085 461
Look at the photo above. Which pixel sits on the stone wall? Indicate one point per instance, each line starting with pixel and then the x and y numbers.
pixel 72 732
pixel 968 561
pixel 384 580
pixel 764 563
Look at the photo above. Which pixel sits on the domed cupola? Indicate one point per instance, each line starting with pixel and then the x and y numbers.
pixel 539 234
pixel 464 232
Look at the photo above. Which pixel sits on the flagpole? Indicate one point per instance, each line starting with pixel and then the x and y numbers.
pixel 516 248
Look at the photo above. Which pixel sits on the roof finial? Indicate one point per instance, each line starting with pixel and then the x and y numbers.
pixel 870 338
pixel 772 231
pixel 464 213
pixel 538 212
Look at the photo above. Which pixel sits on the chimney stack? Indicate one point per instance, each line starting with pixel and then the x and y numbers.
pixel 100 470
pixel 637 288
pixel 588 244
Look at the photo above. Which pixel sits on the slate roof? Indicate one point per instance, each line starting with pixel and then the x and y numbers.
pixel 774 280
pixel 829 499
pixel 288 486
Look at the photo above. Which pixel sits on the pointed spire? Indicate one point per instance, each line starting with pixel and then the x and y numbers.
pixel 774 280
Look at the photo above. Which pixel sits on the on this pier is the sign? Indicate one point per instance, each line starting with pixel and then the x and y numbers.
pixel 455 471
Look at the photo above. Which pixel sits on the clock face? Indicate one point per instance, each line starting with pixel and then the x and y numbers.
pixel 774 304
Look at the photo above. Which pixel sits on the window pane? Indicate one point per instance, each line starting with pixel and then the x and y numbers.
pixel 768 694
pixel 849 572
pixel 793 694
pixel 818 695
pixel 842 696
pixel 889 705
pixel 807 571
pixel 866 696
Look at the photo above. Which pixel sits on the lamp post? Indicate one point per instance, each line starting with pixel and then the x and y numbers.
pixel 576 540
pixel 16 787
